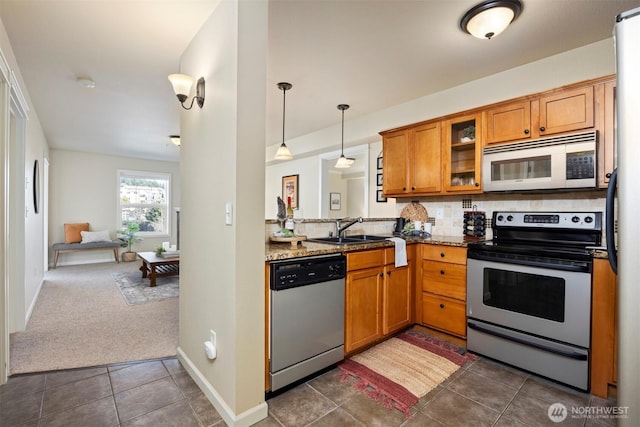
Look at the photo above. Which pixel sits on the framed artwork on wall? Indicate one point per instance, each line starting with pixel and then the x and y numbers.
pixel 335 201
pixel 290 189
pixel 379 163
pixel 379 180
pixel 380 198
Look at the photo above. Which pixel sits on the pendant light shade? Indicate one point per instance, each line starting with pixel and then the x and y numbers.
pixel 343 162
pixel 283 152
pixel 490 18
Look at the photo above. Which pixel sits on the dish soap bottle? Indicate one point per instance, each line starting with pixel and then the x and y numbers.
pixel 289 222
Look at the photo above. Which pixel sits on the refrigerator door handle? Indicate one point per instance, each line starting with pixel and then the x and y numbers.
pixel 610 221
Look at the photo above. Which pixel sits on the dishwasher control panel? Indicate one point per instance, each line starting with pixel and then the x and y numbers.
pixel 306 271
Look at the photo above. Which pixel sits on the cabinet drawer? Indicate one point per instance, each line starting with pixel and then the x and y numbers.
pixel 444 314
pixel 453 254
pixel 390 254
pixel 365 259
pixel 445 279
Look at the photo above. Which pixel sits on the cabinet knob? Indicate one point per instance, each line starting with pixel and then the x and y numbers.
pixel 413 188
pixel 388 273
pixel 404 188
pixel 441 271
pixel 381 274
pixel 441 305
pixel 526 131
pixel 477 184
pixel 442 254
pixel 542 129
pixel 608 175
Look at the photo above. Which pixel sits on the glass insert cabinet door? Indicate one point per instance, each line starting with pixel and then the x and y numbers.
pixel 462 151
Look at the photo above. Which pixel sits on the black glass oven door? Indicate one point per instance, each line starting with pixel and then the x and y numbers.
pixel 532 294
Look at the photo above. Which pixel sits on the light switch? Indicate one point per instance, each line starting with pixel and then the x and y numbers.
pixel 228 213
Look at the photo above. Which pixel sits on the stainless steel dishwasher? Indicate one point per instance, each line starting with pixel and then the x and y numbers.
pixel 306 317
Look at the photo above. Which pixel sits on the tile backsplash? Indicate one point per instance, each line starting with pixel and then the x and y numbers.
pixel 453 208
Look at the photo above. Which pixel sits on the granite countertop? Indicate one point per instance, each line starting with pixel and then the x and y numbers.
pixel 279 251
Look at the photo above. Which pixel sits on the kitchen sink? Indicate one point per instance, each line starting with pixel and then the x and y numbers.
pixel 348 240
pixel 367 237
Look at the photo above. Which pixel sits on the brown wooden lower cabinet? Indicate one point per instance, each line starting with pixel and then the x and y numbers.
pixel 378 296
pixel 442 288
pixel 604 330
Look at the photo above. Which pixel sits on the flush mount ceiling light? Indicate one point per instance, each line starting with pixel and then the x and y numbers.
pixel 182 87
pixel 283 151
pixel 490 18
pixel 86 82
pixel 343 162
pixel 175 139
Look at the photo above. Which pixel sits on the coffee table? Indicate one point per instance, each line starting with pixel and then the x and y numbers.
pixel 154 266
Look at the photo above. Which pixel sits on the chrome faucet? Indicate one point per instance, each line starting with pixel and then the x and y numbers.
pixel 340 229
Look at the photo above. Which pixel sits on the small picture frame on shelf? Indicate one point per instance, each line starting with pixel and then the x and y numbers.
pixel 379 164
pixel 380 198
pixel 335 201
pixel 379 180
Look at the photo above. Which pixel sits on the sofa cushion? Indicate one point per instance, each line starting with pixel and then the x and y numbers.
pixel 95 236
pixel 72 232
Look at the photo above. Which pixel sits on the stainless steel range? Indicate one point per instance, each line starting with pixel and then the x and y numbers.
pixel 529 292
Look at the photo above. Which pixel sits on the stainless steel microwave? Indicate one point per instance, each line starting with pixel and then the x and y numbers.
pixel 567 161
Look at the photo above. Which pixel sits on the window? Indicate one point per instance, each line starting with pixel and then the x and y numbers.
pixel 143 199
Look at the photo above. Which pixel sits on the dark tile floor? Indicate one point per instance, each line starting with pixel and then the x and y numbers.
pixel 481 393
pixel 155 393
pixel 160 393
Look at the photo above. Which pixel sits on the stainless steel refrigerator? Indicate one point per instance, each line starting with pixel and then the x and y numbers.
pixel 627 178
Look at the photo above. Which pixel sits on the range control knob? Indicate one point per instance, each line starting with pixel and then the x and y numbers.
pixel 500 218
pixel 510 218
pixel 575 219
pixel 588 219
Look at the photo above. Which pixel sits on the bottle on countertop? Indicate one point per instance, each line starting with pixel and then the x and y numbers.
pixel 289 221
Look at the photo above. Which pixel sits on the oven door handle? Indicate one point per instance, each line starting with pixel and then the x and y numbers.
pixel 569 354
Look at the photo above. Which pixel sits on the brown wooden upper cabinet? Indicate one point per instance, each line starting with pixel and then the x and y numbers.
pixel 412 160
pixel 556 112
pixel 462 151
pixel 509 122
pixel 439 156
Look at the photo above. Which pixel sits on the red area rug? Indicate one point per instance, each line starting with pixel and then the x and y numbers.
pixel 402 369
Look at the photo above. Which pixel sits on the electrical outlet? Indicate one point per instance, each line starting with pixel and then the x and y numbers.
pixel 439 213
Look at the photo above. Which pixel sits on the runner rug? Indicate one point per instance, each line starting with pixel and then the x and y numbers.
pixel 402 369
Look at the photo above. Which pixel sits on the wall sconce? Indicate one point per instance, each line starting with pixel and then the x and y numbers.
pixel 182 87
pixel 490 18
pixel 175 139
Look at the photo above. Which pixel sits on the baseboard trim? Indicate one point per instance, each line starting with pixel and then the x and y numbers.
pixel 245 419
pixel 33 304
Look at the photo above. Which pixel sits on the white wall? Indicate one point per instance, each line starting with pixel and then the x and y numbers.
pixel 222 161
pixel 27 252
pixel 84 188
pixel 308 170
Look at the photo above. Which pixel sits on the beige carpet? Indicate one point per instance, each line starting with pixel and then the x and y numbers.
pixel 81 319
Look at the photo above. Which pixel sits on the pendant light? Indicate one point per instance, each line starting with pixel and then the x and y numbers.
pixel 343 162
pixel 283 151
pixel 490 18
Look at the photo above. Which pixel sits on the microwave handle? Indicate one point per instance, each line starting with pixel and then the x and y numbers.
pixel 610 221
